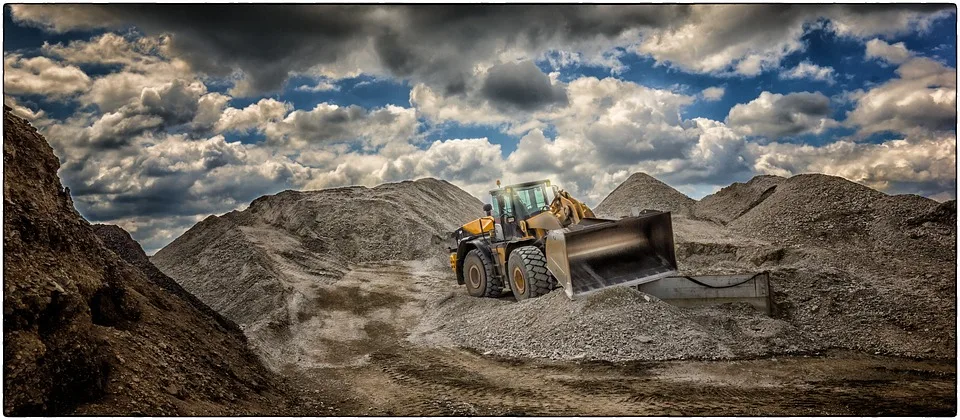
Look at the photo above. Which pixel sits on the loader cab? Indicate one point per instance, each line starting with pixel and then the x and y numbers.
pixel 515 203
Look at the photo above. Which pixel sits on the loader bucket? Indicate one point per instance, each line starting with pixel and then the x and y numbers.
pixel 600 253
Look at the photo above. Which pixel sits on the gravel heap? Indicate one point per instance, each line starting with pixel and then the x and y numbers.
pixel 643 192
pixel 813 208
pixel 262 267
pixel 615 324
pixel 850 267
pixel 87 333
pixel 733 201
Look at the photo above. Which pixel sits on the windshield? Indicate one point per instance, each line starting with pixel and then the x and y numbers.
pixel 530 200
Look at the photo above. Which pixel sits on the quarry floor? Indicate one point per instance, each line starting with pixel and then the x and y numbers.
pixel 390 376
pixel 401 381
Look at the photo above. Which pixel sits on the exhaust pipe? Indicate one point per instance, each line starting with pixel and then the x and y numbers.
pixel 600 253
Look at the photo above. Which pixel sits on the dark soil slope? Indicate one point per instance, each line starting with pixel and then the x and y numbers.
pixel 87 333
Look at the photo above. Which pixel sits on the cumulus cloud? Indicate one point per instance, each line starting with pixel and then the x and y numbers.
pixel 923 98
pixel 329 123
pixel 891 53
pixel 714 93
pixel 808 70
pixel 776 115
pixel 42 76
pixel 110 48
pixel 254 116
pixel 920 165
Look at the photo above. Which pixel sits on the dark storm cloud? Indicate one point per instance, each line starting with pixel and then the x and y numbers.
pixel 521 85
pixel 430 43
pixel 436 44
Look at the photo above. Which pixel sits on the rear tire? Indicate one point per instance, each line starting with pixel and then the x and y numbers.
pixel 479 277
pixel 527 273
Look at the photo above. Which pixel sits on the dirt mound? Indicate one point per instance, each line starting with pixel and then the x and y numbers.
pixel 87 333
pixel 643 191
pixel 121 243
pixel 615 324
pixel 733 201
pixel 266 267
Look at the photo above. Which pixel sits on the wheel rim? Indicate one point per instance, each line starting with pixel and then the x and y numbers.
pixel 474 276
pixel 518 282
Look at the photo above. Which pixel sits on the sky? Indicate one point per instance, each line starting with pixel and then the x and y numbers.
pixel 162 115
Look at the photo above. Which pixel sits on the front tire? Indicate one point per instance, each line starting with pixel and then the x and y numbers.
pixel 479 277
pixel 527 273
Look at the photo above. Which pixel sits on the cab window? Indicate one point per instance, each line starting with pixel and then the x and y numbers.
pixel 501 205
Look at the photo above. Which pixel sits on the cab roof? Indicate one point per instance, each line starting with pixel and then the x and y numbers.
pixel 521 185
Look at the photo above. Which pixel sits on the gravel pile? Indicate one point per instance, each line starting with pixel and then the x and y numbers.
pixel 643 192
pixel 263 267
pixel 733 201
pixel 850 267
pixel 615 324
pixel 813 208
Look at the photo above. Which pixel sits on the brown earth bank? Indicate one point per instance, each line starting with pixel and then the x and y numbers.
pixel 86 332
pixel 345 295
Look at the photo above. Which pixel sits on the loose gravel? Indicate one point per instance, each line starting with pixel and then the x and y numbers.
pixel 733 201
pixel 615 324
pixel 643 192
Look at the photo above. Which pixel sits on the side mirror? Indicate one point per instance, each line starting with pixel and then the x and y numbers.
pixel 487 208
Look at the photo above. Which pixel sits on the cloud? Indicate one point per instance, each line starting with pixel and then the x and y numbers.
pixel 923 98
pixel 863 21
pixel 329 123
pixel 747 40
pixel 808 70
pixel 165 106
pixel 22 110
pixel 714 93
pixel 149 145
pixel 414 41
pixel 776 115
pixel 458 108
pixel 110 48
pixel 42 76
pixel 522 86
pixel 320 86
pixel 924 165
pixel 254 116
pixel 891 53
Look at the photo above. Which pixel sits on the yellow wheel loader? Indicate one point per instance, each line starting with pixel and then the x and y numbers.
pixel 536 237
